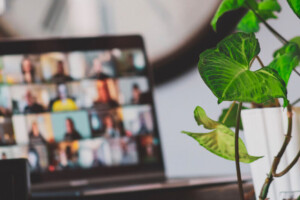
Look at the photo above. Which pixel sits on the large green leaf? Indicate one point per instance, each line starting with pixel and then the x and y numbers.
pixel 231 118
pixel 250 22
pixel 225 6
pixel 295 5
pixel 220 140
pixel 225 70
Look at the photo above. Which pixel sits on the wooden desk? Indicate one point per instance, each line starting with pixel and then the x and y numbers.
pixel 177 189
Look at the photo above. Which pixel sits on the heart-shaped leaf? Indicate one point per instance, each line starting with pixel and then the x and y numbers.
pixel 220 141
pixel 286 59
pixel 230 121
pixel 225 70
pixel 295 5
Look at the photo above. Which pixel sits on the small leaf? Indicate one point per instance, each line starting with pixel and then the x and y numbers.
pixel 225 6
pixel 286 59
pixel 296 40
pixel 231 119
pixel 220 141
pixel 284 65
pixel 225 70
pixel 249 23
pixel 295 5
pixel 291 48
pixel 269 5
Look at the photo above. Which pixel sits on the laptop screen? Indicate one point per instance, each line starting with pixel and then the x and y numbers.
pixel 78 109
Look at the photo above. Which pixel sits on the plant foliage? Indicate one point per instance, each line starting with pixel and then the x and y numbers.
pixel 295 5
pixel 220 140
pixel 226 71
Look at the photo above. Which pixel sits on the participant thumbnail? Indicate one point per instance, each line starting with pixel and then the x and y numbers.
pixel 22 69
pixel 65 97
pixel 100 64
pixel 38 158
pixel 137 120
pixel 123 151
pixel 148 146
pixel 67 155
pixel 94 152
pixel 30 98
pixel 77 64
pixel 12 152
pixel 129 62
pixel 7 136
pixel 70 126
pixel 100 94
pixel 107 123
pixel 6 153
pixel 20 129
pixel 5 101
pixel 55 67
pixel 134 90
pixel 39 129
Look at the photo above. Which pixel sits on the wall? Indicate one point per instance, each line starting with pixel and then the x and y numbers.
pixel 176 101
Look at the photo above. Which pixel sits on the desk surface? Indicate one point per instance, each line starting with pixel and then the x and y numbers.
pixel 172 187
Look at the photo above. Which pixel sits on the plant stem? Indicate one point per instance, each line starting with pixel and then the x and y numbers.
pixel 237 156
pixel 228 112
pixel 295 102
pixel 275 33
pixel 276 161
pixel 283 172
pixel 260 61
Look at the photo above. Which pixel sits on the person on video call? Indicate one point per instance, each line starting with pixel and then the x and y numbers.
pixel 28 71
pixel 71 132
pixel 32 106
pixel 110 128
pixel 3 156
pixel 98 70
pixel 63 102
pixel 104 99
pixel 60 76
pixel 35 136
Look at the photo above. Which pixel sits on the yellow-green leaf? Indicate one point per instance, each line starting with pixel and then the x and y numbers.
pixel 220 140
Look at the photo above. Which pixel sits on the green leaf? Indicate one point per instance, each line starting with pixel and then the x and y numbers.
pixel 231 119
pixel 290 48
pixel 269 5
pixel 295 5
pixel 296 40
pixel 286 59
pixel 220 140
pixel 225 6
pixel 284 65
pixel 226 71
pixel 249 23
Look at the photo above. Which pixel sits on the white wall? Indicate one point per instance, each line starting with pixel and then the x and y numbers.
pixel 176 101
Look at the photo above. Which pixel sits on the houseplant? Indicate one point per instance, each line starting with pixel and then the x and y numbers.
pixel 225 69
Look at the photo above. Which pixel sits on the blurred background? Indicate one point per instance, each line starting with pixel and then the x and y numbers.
pixel 175 32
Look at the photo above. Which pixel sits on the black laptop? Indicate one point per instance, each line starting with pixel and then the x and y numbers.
pixel 81 111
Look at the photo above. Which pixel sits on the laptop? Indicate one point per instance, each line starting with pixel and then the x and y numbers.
pixel 81 111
